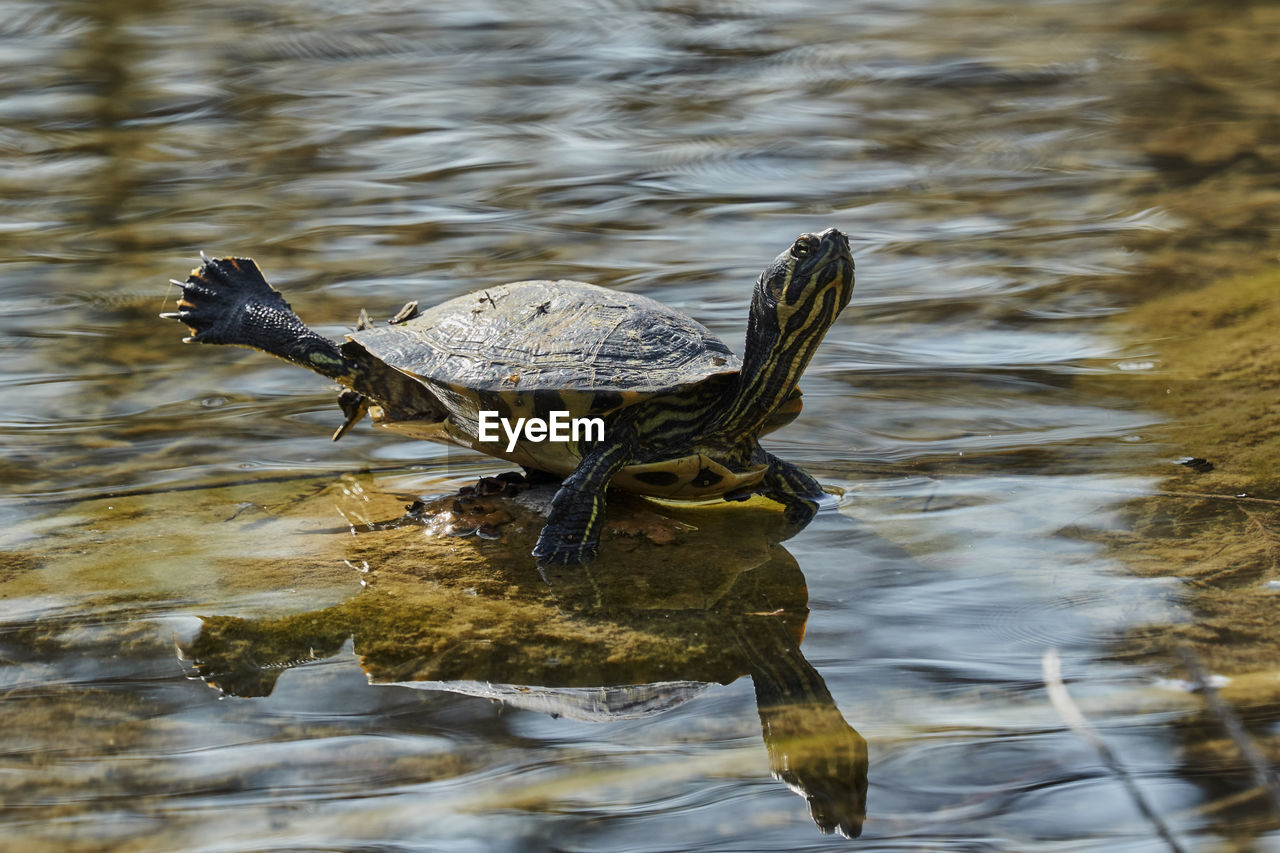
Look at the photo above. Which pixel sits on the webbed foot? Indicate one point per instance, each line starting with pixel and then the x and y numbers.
pixel 227 301
pixel 576 517
pixel 790 486
pixel 572 532
pixel 799 512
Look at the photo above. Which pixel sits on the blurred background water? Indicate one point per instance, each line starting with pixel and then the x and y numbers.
pixel 372 154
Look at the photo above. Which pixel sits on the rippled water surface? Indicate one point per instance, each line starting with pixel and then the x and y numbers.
pixel 176 511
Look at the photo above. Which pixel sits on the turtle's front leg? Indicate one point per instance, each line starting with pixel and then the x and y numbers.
pixel 576 518
pixel 791 486
pixel 227 301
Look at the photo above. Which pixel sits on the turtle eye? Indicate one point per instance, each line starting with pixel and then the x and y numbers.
pixel 804 247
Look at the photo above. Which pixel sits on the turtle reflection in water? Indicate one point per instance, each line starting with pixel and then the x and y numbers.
pixel 636 640
pixel 682 414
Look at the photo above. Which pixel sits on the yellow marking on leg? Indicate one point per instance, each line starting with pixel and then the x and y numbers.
pixel 320 358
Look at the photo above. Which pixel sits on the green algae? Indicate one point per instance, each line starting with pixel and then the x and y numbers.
pixel 438 607
pixel 1219 528
pixel 1207 307
pixel 638 630
pixel 1219 380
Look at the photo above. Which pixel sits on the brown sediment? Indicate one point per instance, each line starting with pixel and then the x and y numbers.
pixel 1218 529
pixel 1208 122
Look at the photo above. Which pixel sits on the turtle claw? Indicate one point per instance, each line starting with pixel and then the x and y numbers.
pixel 219 296
pixel 353 405
pixel 573 527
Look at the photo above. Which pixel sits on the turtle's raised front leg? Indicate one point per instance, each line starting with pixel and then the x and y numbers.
pixel 577 511
pixel 791 486
pixel 227 301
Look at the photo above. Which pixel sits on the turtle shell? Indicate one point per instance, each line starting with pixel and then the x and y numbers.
pixel 535 347
pixel 557 336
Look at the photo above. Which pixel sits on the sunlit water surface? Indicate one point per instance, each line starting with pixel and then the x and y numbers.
pixel 425 150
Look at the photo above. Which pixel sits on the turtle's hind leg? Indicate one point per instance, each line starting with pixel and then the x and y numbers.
pixel 227 301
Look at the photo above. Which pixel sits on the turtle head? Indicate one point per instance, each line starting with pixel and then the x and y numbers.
pixel 806 287
pixel 796 299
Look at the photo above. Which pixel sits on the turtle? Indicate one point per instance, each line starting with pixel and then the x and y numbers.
pixel 681 414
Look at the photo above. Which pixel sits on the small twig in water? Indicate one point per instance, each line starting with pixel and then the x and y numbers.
pixel 1263 774
pixel 1075 720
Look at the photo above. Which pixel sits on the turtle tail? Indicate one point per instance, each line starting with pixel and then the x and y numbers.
pixel 227 301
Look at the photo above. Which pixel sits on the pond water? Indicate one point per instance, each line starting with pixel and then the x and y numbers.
pixel 175 511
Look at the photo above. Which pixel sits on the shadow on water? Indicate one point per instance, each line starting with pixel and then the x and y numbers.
pixel 636 634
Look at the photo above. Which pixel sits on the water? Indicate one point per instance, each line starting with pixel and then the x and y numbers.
pixel 171 509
